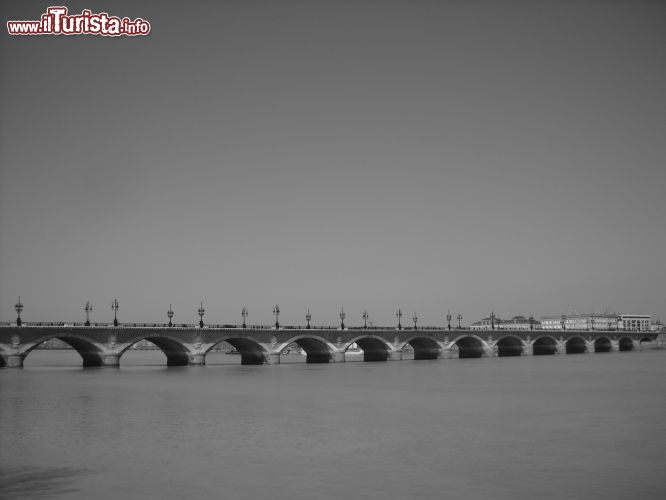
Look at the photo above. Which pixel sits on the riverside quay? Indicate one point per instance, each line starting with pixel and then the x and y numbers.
pixel 188 345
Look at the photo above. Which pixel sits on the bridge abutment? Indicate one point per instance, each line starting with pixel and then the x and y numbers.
pixel 528 350
pixel 560 348
pixel 338 357
pixel 614 345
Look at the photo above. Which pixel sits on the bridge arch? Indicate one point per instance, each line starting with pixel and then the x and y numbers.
pixel 90 353
pixel 469 346
pixel 575 345
pixel 602 344
pixel 252 353
pixel 176 353
pixel 3 358
pixel 544 345
pixel 374 348
pixel 509 346
pixel 424 347
pixel 317 350
pixel 626 344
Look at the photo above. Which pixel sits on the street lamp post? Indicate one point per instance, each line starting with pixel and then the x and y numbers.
pixel 563 322
pixel 114 306
pixel 342 318
pixel 88 309
pixel 18 307
pixel 448 318
pixel 276 313
pixel 308 317
pixel 398 314
pixel 170 315
pixel 415 319
pixel 201 311
pixel 459 317
pixel 492 319
pixel 592 323
pixel 244 313
pixel 531 320
pixel 365 320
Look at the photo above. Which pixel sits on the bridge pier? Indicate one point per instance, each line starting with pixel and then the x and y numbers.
pixel 338 357
pixel 615 345
pixel 528 350
pixel 272 358
pixel 395 355
pixel 196 359
pixel 489 351
pixel 15 361
pixel 112 360
pixel 561 348
pixel 447 353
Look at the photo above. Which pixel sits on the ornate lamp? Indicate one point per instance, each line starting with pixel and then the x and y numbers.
pixel 114 307
pixel 459 318
pixel 365 320
pixel 170 315
pixel 308 317
pixel 398 314
pixel 492 319
pixel 88 309
pixel 18 307
pixel 342 318
pixel 201 311
pixel 563 322
pixel 448 318
pixel 415 319
pixel 531 320
pixel 276 313
pixel 244 313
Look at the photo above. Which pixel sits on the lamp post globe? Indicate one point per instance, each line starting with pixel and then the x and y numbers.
pixel 398 314
pixel 170 315
pixel 18 308
pixel 308 317
pixel 342 318
pixel 492 319
pixel 415 318
pixel 531 320
pixel 459 317
pixel 365 320
pixel 448 319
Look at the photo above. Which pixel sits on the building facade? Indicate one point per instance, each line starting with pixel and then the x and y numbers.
pixel 635 322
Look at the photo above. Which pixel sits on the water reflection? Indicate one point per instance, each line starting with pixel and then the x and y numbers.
pixel 39 482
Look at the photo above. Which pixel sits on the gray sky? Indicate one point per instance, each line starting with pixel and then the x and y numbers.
pixel 471 156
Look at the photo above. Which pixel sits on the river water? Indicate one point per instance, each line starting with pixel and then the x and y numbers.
pixel 550 427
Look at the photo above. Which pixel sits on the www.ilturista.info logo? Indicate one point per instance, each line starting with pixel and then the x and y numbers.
pixel 56 22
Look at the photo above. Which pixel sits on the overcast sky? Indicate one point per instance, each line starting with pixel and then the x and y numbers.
pixel 427 155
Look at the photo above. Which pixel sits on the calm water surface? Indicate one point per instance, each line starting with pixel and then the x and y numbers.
pixel 550 427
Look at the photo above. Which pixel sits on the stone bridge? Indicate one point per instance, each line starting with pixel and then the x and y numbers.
pixel 105 345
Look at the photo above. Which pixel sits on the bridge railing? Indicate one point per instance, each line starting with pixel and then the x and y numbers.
pixel 61 324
